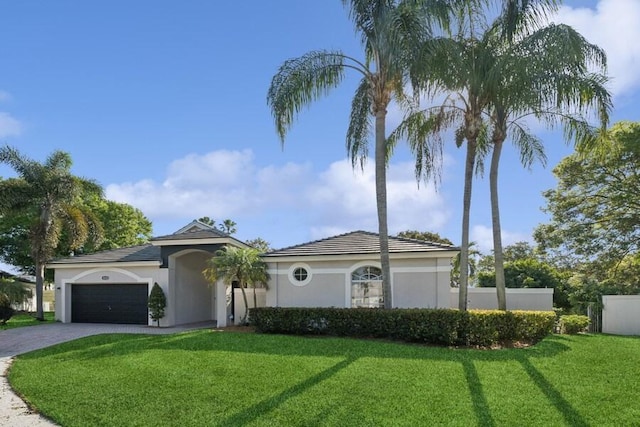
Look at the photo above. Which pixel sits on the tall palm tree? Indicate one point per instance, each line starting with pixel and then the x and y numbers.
pixel 242 265
pixel 52 197
pixel 389 30
pixel 548 74
pixel 460 66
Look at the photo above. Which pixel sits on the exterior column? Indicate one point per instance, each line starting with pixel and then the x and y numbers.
pixel 221 303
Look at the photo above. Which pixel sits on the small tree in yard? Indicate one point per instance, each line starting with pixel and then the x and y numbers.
pixel 242 265
pixel 5 309
pixel 157 303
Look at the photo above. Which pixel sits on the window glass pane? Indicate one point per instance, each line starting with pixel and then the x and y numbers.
pixel 300 274
pixel 366 287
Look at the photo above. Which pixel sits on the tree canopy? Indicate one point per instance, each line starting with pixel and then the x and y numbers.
pixel 49 196
pixel 595 210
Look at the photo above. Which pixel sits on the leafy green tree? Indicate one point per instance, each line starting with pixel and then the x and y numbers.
pixel 6 311
pixel 530 273
pixel 595 211
pixel 241 265
pixel 17 292
pixel 260 244
pixel 227 226
pixel 426 236
pixel 52 198
pixel 389 31
pixel 157 303
pixel 122 225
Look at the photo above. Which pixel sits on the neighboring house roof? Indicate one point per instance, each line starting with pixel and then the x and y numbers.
pixel 139 253
pixel 358 242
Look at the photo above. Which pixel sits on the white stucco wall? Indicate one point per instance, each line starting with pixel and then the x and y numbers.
pixel 621 314
pixel 193 296
pixel 66 277
pixel 420 282
pixel 239 308
pixel 537 299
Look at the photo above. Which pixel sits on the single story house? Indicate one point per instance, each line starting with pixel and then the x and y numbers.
pixel 341 271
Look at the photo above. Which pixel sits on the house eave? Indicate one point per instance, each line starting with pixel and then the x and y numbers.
pixel 121 264
pixel 360 256
pixel 196 242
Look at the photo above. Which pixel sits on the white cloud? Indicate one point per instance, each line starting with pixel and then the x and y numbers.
pixel 9 126
pixel 219 184
pixel 229 184
pixel 483 236
pixel 614 25
pixel 344 199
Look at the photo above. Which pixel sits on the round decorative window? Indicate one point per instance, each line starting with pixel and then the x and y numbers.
pixel 299 274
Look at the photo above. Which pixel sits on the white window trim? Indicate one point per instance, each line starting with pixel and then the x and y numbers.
pixel 296 282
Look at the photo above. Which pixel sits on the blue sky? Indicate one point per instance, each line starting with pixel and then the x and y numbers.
pixel 164 104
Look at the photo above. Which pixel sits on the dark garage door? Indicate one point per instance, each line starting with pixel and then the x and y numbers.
pixel 117 303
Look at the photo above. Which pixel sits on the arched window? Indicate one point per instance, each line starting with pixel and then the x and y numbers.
pixel 366 287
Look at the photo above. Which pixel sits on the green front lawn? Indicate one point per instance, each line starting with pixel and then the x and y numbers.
pixel 21 319
pixel 209 378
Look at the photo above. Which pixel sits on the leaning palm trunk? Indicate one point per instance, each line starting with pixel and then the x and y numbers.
pixel 497 230
pixel 466 209
pixel 39 289
pixel 243 321
pixel 381 202
pixel 255 297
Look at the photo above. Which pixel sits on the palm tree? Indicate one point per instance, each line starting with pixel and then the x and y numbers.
pixel 545 73
pixel 241 265
pixel 460 66
pixel 390 30
pixel 52 197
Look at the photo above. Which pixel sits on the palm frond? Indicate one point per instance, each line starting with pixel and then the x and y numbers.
pixel 529 145
pixel 300 81
pixel 360 124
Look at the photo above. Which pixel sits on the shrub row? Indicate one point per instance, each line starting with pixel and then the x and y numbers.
pixel 573 324
pixel 432 326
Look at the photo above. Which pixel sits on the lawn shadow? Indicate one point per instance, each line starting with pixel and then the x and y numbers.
pixel 263 407
pixel 478 399
pixel 569 413
pixel 349 350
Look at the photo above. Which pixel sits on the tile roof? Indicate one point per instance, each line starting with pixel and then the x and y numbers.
pixel 140 253
pixel 188 235
pixel 358 242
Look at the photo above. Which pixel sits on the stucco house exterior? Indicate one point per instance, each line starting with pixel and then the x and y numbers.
pixel 340 271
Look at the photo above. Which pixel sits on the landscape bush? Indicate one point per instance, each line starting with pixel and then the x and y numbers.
pixel 448 327
pixel 6 311
pixel 573 324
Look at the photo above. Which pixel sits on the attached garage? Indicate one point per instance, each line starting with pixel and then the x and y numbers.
pixel 112 303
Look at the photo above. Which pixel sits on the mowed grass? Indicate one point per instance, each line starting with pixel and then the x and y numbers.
pixel 22 319
pixel 209 378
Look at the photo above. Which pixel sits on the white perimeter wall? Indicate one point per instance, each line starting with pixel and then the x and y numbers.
pixel 621 314
pixel 537 299
pixel 239 309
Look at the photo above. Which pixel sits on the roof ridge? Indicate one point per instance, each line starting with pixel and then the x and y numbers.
pixel 319 240
pixel 428 242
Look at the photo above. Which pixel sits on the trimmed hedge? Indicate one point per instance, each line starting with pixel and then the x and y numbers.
pixel 573 324
pixel 431 326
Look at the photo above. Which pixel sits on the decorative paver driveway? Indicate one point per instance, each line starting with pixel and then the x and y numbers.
pixel 13 411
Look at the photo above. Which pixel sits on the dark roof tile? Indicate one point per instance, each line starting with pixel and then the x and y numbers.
pixel 358 242
pixel 140 253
